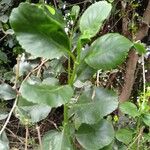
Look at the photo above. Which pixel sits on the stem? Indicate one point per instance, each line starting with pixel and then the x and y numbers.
pixel 65 114
pixel 55 4
pixel 39 137
pixel 69 68
pixel 70 5
pixel 15 102
pixel 17 72
pixel 3 37
pixel 8 118
pixel 97 78
pixel 36 69
pixel 15 136
pixel 76 62
pixel 138 137
pixel 143 101
pixel 26 139
pixel 73 73
pixel 79 47
pixel 144 80
pixel 71 79
pixel 72 56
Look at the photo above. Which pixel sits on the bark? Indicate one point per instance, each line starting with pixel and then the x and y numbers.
pixel 133 58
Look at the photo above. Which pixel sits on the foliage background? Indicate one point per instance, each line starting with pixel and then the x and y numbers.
pixel 10 49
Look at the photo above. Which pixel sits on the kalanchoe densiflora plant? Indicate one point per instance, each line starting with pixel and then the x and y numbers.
pixel 40 31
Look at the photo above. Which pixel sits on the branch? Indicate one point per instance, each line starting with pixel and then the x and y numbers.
pixel 8 118
pixel 133 58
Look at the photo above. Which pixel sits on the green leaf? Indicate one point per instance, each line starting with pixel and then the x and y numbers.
pixel 3 115
pixel 93 105
pixel 146 119
pixel 4 18
pixel 108 147
pixel 38 33
pixel 93 18
pixel 7 92
pixel 75 11
pixel 129 108
pixel 51 81
pixel 54 68
pixel 139 47
pixel 94 137
pixel 54 14
pixel 3 57
pixel 108 51
pixel 146 136
pixel 9 32
pixel 24 68
pixel 41 93
pixel 110 1
pixel 4 142
pixel 84 72
pixel 55 140
pixel 124 135
pixel 50 9
pixel 32 112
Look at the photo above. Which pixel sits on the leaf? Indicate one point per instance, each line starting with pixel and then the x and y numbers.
pixel 32 112
pixel 90 111
pixel 4 142
pixel 139 47
pixel 51 81
pixel 53 14
pixel 50 9
pixel 55 140
pixel 124 135
pixel 95 137
pixel 3 57
pixel 146 136
pixel 38 33
pixel 93 18
pixel 108 147
pixel 129 108
pixel 75 12
pixel 55 68
pixel 9 32
pixel 24 68
pixel 108 51
pixel 84 72
pixel 7 92
pixel 110 1
pixel 4 18
pixel 146 119
pixel 3 115
pixel 2 2
pixel 41 93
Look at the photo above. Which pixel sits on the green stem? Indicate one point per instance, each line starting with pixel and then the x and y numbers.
pixel 71 77
pixel 65 106
pixel 138 124
pixel 73 73
pixel 79 47
pixel 72 56
pixel 65 114
pixel 76 62
pixel 69 68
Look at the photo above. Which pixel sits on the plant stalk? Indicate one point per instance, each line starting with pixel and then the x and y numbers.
pixel 65 114
pixel 71 77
